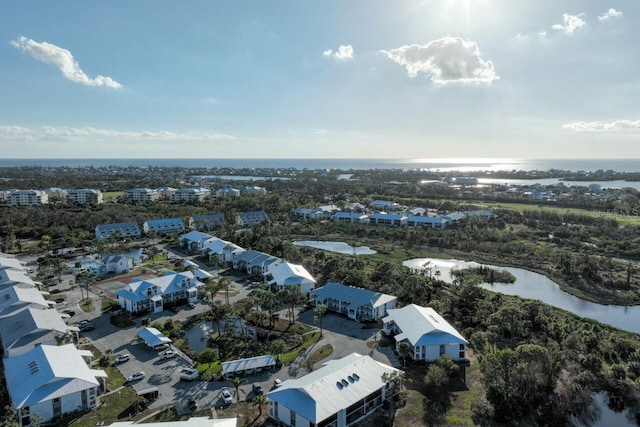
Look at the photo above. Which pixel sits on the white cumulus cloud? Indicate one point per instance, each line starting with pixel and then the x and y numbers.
pixel 343 52
pixel 610 14
pixel 44 133
pixel 570 23
pixel 63 59
pixel 597 126
pixel 446 60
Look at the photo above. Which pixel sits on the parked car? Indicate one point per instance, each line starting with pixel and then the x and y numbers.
pixel 160 347
pixel 226 396
pixel 189 374
pixel 59 300
pixel 53 283
pixel 169 354
pixel 121 359
pixel 277 382
pixel 86 326
pixel 55 291
pixel 257 389
pixel 135 377
pixel 71 313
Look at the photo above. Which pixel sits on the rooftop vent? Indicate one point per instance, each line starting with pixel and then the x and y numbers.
pixel 344 382
pixel 34 367
pixel 339 385
pixel 356 376
pixel 351 380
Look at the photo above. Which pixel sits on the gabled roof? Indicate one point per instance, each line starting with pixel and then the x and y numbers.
pixel 455 216
pixel 10 262
pixel 217 246
pixel 252 257
pixel 423 326
pixel 428 219
pixel 384 215
pixel 285 273
pixel 171 282
pixel 349 215
pixel 337 385
pixel 47 372
pixel 9 275
pixel 14 297
pixel 110 228
pixel 152 337
pixel 26 325
pixel 165 224
pixel 191 422
pixel 249 363
pixel 196 236
pixel 356 297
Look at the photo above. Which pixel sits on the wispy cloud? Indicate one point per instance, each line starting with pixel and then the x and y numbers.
pixel 44 133
pixel 570 23
pixel 343 52
pixel 610 14
pixel 63 59
pixel 446 60
pixel 597 126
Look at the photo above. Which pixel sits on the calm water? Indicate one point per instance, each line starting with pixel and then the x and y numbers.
pixel 537 286
pixel 453 164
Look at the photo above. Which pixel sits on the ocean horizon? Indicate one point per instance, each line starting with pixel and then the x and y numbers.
pixel 443 165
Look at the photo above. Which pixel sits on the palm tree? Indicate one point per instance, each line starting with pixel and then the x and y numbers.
pixel 260 401
pixel 320 310
pixel 237 382
pixel 405 350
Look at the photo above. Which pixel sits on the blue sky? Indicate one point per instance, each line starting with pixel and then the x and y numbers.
pixel 320 79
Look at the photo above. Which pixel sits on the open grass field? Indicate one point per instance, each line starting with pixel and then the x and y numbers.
pixel 622 219
pixel 111 286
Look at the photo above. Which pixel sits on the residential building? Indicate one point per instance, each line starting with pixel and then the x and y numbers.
pixel 166 192
pixel 28 198
pixel 31 327
pixel 339 394
pixel 254 262
pixel 84 196
pixel 320 212
pixel 141 195
pixel 14 298
pixel 191 422
pixel 157 294
pixel 166 225
pixel 246 219
pixel 429 335
pixel 190 195
pixel 117 264
pixel 50 381
pixel 9 261
pixel 13 277
pixel 206 222
pixel 255 191
pixel 225 252
pixel 390 220
pixel 56 194
pixel 228 192
pixel 119 230
pixel 436 222
pixel 350 217
pixel 384 205
pixel 196 240
pixel 283 274
pixel 356 303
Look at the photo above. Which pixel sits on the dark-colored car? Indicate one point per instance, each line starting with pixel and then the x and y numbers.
pixel 55 291
pixel 59 300
pixel 71 313
pixel 257 389
pixel 85 327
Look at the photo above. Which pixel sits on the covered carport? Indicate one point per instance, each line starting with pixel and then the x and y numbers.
pixel 153 338
pixel 247 366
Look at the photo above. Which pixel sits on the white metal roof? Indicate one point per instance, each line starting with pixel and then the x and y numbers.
pixel 356 297
pixel 249 363
pixel 47 372
pixel 191 422
pixel 152 337
pixel 285 271
pixel 421 325
pixel 20 328
pixel 317 395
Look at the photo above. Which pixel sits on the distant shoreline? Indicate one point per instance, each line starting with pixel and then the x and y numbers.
pixel 460 165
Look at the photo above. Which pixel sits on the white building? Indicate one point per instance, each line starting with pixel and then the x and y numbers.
pixel 51 381
pixel 155 295
pixel 117 264
pixel 84 196
pixel 356 303
pixel 14 298
pixel 31 327
pixel 224 251
pixel 341 393
pixel 283 274
pixel 196 240
pixel 255 191
pixel 228 192
pixel 27 198
pixel 141 195
pixel 429 335
pixel 190 195
pixel 206 222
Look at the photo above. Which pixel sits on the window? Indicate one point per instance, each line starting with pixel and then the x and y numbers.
pixel 442 348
